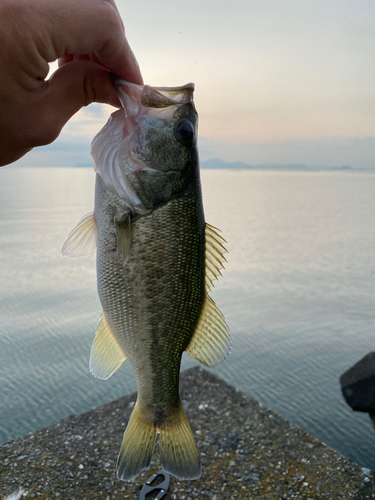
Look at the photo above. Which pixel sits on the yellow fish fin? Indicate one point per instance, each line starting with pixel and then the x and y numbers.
pixel 124 233
pixel 137 446
pixel 106 354
pixel 81 241
pixel 214 255
pixel 178 451
pixel 211 341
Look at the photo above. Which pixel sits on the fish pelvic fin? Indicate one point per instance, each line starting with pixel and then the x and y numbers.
pixel 215 251
pixel 106 354
pixel 81 241
pixel 211 341
pixel 137 446
pixel 178 451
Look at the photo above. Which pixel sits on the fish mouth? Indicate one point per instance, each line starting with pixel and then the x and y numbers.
pixel 116 149
pixel 152 97
pixel 139 100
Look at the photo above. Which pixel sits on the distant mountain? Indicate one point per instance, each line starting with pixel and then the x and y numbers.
pixel 239 165
pixel 220 164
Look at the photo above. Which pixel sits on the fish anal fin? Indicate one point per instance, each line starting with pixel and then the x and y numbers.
pixel 137 446
pixel 81 241
pixel 106 355
pixel 214 254
pixel 124 233
pixel 211 341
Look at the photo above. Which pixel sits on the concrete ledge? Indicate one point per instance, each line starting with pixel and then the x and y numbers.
pixel 247 452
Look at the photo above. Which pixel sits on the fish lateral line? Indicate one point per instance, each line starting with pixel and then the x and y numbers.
pixel 157 260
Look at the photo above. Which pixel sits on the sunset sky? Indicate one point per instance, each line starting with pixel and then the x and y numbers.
pixel 277 81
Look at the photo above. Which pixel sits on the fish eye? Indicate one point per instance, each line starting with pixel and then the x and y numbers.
pixel 184 131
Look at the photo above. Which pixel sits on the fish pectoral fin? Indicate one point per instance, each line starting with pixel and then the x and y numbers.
pixel 214 255
pixel 211 341
pixel 106 354
pixel 124 232
pixel 81 241
pixel 137 446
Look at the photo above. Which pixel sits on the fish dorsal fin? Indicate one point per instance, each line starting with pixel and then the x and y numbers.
pixel 81 241
pixel 124 233
pixel 214 255
pixel 211 341
pixel 106 354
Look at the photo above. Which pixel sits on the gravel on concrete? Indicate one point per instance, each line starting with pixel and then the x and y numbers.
pixel 247 452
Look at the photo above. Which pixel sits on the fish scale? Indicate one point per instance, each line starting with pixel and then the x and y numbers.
pixel 153 304
pixel 157 259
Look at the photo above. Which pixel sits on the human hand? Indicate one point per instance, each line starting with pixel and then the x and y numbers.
pixel 87 36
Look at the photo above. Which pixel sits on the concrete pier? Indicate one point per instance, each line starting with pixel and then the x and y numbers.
pixel 247 452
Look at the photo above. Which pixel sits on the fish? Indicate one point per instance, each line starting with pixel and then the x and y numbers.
pixel 157 259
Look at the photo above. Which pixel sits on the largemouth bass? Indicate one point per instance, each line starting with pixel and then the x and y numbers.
pixel 156 263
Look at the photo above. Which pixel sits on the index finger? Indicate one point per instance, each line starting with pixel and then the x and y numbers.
pixel 93 27
pixel 112 2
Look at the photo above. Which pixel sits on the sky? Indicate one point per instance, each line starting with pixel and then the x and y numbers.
pixel 277 81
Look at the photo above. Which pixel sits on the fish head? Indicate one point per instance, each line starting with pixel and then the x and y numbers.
pixel 147 152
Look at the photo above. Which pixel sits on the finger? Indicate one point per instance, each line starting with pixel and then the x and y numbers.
pixel 71 87
pixel 94 59
pixel 112 2
pixel 81 57
pixel 65 59
pixel 74 57
pixel 90 26
pixel 126 68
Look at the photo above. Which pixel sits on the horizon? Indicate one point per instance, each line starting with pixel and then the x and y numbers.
pixel 217 164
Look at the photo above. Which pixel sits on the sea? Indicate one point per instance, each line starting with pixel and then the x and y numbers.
pixel 298 294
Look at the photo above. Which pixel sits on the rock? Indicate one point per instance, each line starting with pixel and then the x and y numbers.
pixel 358 385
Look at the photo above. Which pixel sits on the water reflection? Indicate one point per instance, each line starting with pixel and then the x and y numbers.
pixel 298 294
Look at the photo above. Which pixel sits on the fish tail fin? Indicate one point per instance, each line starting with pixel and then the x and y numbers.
pixel 137 446
pixel 178 451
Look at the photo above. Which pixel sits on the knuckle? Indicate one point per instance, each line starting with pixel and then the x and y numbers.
pixel 89 93
pixel 111 20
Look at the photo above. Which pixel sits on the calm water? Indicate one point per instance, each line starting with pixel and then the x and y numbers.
pixel 298 294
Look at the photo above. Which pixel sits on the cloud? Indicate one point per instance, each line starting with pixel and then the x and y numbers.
pixel 61 153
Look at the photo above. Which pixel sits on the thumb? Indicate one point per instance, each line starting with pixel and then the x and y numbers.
pixel 71 87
